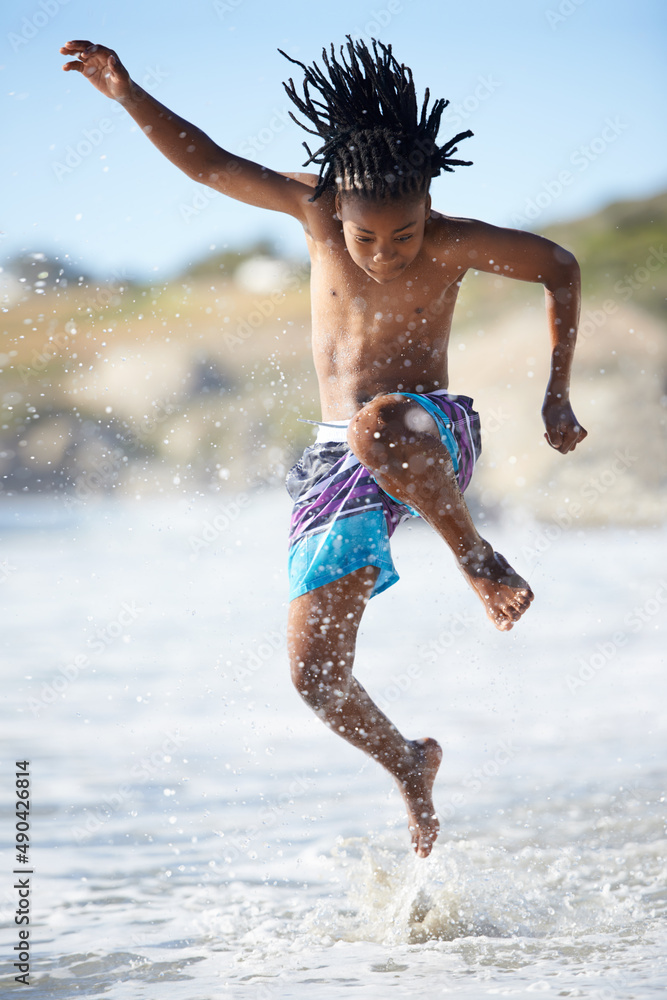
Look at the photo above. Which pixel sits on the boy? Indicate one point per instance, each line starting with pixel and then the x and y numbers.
pixel 392 443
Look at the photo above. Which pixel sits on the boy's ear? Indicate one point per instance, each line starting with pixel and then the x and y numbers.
pixel 427 208
pixel 337 203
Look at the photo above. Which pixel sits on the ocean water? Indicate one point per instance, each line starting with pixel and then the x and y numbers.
pixel 197 834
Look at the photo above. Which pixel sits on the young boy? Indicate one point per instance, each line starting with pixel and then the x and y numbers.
pixel 392 443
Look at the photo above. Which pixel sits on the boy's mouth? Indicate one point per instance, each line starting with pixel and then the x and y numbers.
pixel 385 274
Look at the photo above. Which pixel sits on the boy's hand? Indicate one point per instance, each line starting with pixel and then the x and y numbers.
pixel 190 149
pixel 101 66
pixel 564 432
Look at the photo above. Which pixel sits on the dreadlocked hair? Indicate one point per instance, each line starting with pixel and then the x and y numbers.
pixel 376 142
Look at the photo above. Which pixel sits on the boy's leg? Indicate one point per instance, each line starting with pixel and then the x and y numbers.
pixel 398 441
pixel 322 632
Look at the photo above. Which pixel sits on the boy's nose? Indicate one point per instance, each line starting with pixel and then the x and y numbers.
pixel 384 256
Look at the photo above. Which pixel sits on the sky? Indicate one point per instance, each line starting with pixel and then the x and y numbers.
pixel 565 97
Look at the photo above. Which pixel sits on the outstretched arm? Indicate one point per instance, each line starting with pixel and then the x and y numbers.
pixel 516 254
pixel 190 149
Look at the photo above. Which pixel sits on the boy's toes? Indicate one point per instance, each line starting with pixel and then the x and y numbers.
pixel 503 622
pixel 520 601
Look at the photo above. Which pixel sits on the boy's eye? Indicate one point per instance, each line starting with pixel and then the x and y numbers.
pixel 399 239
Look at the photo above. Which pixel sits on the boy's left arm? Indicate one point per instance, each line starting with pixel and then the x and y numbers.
pixel 527 257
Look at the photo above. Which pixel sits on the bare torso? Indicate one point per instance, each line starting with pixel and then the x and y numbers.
pixel 370 338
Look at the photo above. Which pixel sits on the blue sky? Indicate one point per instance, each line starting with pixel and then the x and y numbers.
pixel 565 97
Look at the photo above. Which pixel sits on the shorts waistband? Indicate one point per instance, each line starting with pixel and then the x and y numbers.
pixel 330 431
pixel 333 430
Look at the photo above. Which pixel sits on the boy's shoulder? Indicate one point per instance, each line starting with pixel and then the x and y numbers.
pixel 453 227
pixel 447 234
pixel 472 237
pixel 303 178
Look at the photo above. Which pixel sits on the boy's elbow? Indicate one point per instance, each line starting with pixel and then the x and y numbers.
pixel 567 261
pixel 566 272
pixel 572 267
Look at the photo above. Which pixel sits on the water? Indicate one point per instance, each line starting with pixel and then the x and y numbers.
pixel 197 834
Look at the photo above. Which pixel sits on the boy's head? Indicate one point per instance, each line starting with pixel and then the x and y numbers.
pixel 383 235
pixel 378 145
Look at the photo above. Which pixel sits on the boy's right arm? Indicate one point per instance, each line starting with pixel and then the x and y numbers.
pixel 186 146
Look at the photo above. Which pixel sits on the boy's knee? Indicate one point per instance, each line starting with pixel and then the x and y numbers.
pixel 387 422
pixel 317 684
pixel 375 426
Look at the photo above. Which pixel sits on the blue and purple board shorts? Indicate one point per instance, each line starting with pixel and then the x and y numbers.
pixel 342 520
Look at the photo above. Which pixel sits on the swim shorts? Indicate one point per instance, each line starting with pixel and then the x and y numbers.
pixel 342 520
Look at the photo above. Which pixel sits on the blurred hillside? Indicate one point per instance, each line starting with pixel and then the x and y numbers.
pixel 622 251
pixel 198 384
pixel 619 386
pixel 119 386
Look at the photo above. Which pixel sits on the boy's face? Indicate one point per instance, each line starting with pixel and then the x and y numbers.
pixel 383 237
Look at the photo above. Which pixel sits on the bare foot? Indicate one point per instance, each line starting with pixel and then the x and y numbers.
pixel 505 594
pixel 417 791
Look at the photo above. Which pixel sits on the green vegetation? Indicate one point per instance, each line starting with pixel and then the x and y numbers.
pixel 622 251
pixel 201 383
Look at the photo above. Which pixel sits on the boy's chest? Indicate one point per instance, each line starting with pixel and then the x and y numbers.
pixel 342 294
